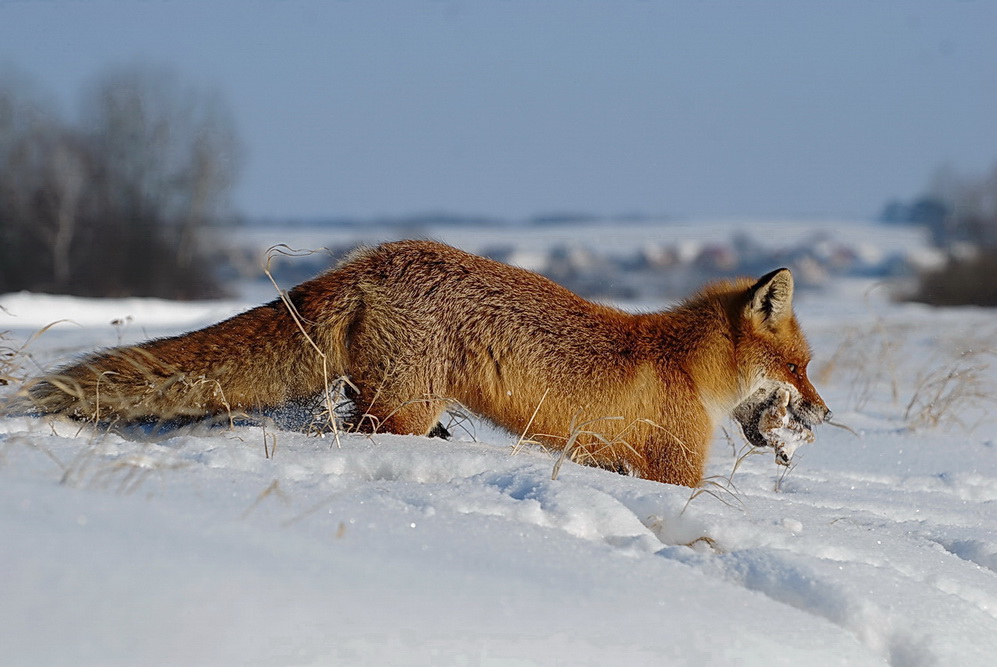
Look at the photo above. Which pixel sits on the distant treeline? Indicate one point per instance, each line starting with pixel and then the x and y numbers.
pixel 420 221
pixel 958 209
pixel 961 214
pixel 114 204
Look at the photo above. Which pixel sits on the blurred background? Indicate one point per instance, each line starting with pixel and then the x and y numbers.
pixel 627 149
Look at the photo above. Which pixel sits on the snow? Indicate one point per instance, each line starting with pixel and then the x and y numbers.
pixel 253 545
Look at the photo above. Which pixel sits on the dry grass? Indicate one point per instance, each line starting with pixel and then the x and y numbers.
pixel 944 395
pixel 586 446
pixel 14 358
pixel 577 430
pixel 458 416
pixel 272 491
pixel 9 364
pixel 948 388
pixel 526 429
pixel 784 473
pixel 722 487
pixel 91 467
pixel 867 361
pixel 328 393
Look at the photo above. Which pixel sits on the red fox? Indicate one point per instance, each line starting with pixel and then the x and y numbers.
pixel 416 325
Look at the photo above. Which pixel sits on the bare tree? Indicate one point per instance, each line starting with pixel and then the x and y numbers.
pixel 68 176
pixel 119 204
pixel 23 124
pixel 168 155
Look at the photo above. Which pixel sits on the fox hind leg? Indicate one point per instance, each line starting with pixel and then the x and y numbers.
pixel 416 417
pixel 379 412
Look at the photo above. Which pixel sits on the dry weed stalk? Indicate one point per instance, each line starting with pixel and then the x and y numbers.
pixel 947 385
pixel 30 443
pixel 784 473
pixel 330 401
pixel 12 358
pixel 576 430
pixel 268 452
pixel 9 363
pixel 272 490
pixel 522 438
pixel 458 412
pixel 868 358
pixel 585 455
pixel 130 473
pixel 125 474
pixel 308 511
pixel 869 354
pixel 461 417
pixel 120 324
pixel 942 395
pixel 720 486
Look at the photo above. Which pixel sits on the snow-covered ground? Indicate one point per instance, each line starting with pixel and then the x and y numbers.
pixel 260 546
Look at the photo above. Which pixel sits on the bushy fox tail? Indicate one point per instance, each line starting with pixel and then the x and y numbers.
pixel 279 352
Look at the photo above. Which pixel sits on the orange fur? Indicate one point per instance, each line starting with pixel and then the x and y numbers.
pixel 415 324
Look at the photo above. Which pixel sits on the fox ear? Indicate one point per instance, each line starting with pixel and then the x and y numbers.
pixel 771 298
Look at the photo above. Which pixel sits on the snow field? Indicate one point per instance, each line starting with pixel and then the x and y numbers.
pixel 253 546
pixel 488 548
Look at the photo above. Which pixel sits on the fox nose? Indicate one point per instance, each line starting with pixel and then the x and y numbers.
pixel 827 415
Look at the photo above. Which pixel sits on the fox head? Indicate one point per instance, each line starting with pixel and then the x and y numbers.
pixel 772 350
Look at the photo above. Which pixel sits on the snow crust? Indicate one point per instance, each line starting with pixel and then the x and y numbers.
pixel 261 546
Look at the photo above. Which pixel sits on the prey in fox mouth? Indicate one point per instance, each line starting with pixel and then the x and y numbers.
pixel 768 419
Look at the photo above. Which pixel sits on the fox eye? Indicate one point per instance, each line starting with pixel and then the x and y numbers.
pixel 793 368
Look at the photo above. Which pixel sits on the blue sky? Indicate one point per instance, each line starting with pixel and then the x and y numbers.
pixel 516 108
